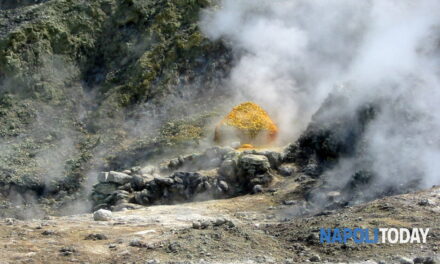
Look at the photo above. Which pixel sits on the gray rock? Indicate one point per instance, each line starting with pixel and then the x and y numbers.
pixel 424 260
pixel 403 260
pixel 102 215
pixel 286 170
pixel 273 157
pixel 196 225
pixel 140 181
pixel 223 186
pixel 97 236
pixel 257 189
pixel 219 222
pixel 419 260
pixel 315 258
pixel 137 243
pixel 118 177
pixel 430 260
pixel 254 164
pixel 289 202
pixel 164 181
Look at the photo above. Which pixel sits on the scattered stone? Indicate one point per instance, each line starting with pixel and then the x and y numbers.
pixel 196 225
pixel 67 251
pixel 48 233
pixel 112 246
pixel 219 222
pixel 312 239
pixel 403 260
pixel 419 260
pixel 286 170
pixel 289 202
pixel 315 258
pixel 430 260
pixel 426 202
pixel 102 215
pixel 173 247
pixel 257 189
pixel 137 243
pixel 9 221
pixel 424 260
pixel 204 224
pixel 96 236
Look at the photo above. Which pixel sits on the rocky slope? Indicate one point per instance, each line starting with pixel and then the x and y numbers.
pixel 92 85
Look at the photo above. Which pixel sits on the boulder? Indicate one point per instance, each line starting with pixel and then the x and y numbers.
pixel 275 158
pixel 286 170
pixel 164 181
pixel 102 215
pixel 114 177
pixel 251 164
pixel 257 189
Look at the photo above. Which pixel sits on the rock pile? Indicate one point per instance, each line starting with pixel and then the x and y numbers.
pixel 218 172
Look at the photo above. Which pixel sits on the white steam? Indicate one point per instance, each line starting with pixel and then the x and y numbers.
pixel 293 53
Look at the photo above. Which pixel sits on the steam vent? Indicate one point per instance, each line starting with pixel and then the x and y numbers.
pixel 247 123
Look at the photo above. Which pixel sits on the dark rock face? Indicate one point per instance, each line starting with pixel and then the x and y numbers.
pixel 327 140
pixel 216 173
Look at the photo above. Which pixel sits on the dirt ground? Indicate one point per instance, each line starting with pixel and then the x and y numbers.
pixel 265 228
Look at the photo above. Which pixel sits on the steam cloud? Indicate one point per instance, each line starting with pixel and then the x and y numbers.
pixel 293 54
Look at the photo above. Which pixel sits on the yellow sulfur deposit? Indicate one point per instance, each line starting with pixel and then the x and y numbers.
pixel 251 124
